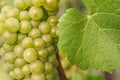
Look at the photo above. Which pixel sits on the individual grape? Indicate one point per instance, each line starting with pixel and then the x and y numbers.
pixel 13 13
pixel 5 9
pixel 21 37
pixel 25 27
pixel 20 4
pixel 47 39
pixel 3 17
pixel 2 52
pixel 19 62
pixel 9 57
pixel 34 23
pixel 34 33
pixel 12 25
pixel 8 67
pixel 52 59
pixel 26 69
pixel 48 68
pixel 44 27
pixel 18 49
pixel 24 15
pixel 51 4
pixel 38 2
pixel 27 42
pixel 53 12
pixel 2 28
pixel 27 79
pixel 38 77
pixel 11 75
pixel 28 3
pixel 39 44
pixel 53 32
pixel 36 13
pixel 30 55
pixel 9 38
pixel 18 73
pixel 52 20
pixel 50 77
pixel 43 54
pixel 7 47
pixel 51 50
pixel 1 42
pixel 37 67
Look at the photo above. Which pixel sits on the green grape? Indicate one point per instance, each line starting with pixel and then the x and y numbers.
pixel 43 54
pixel 51 50
pixel 21 37
pixel 8 67
pixel 26 69
pixel 51 4
pixel 18 73
pixel 2 17
pixel 38 77
pixel 38 2
pixel 52 20
pixel 1 42
pixel 48 68
pixel 53 32
pixel 44 27
pixel 53 12
pixel 24 15
pixel 39 44
pixel 12 75
pixel 34 23
pixel 27 42
pixel 55 74
pixel 34 33
pixel 7 47
pixel 20 4
pixel 50 77
pixel 30 55
pixel 9 57
pixel 25 27
pixel 12 25
pixel 52 59
pixel 47 39
pixel 5 9
pixel 13 13
pixel 27 79
pixel 37 67
pixel 19 62
pixel 9 38
pixel 36 13
pixel 2 52
pixel 18 49
pixel 2 28
pixel 28 2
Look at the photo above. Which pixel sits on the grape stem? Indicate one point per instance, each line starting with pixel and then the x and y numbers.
pixel 60 69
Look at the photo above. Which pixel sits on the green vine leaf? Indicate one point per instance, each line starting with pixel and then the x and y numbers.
pixel 92 41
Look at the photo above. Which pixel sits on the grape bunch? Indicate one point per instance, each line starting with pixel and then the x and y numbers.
pixel 28 39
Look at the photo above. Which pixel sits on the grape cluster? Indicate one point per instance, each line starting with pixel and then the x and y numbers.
pixel 28 39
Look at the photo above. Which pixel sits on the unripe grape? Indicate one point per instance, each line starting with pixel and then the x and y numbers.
pixel 30 55
pixel 12 25
pixel 37 67
pixel 7 47
pixel 47 39
pixel 44 27
pixel 20 4
pixel 43 54
pixel 34 23
pixel 3 17
pixel 38 77
pixel 12 75
pixel 36 13
pixel 18 49
pixel 51 50
pixel 1 42
pixel 50 77
pixel 24 15
pixel 27 42
pixel 18 73
pixel 26 69
pixel 21 37
pixel 19 62
pixel 2 52
pixel 28 3
pixel 13 13
pixel 35 33
pixel 52 59
pixel 38 2
pixel 53 32
pixel 25 27
pixel 2 28
pixel 9 38
pixel 39 44
pixel 48 68
pixel 51 4
pixel 5 9
pixel 52 20
pixel 8 67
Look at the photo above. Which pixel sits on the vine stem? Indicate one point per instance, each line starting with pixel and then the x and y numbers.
pixel 60 69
